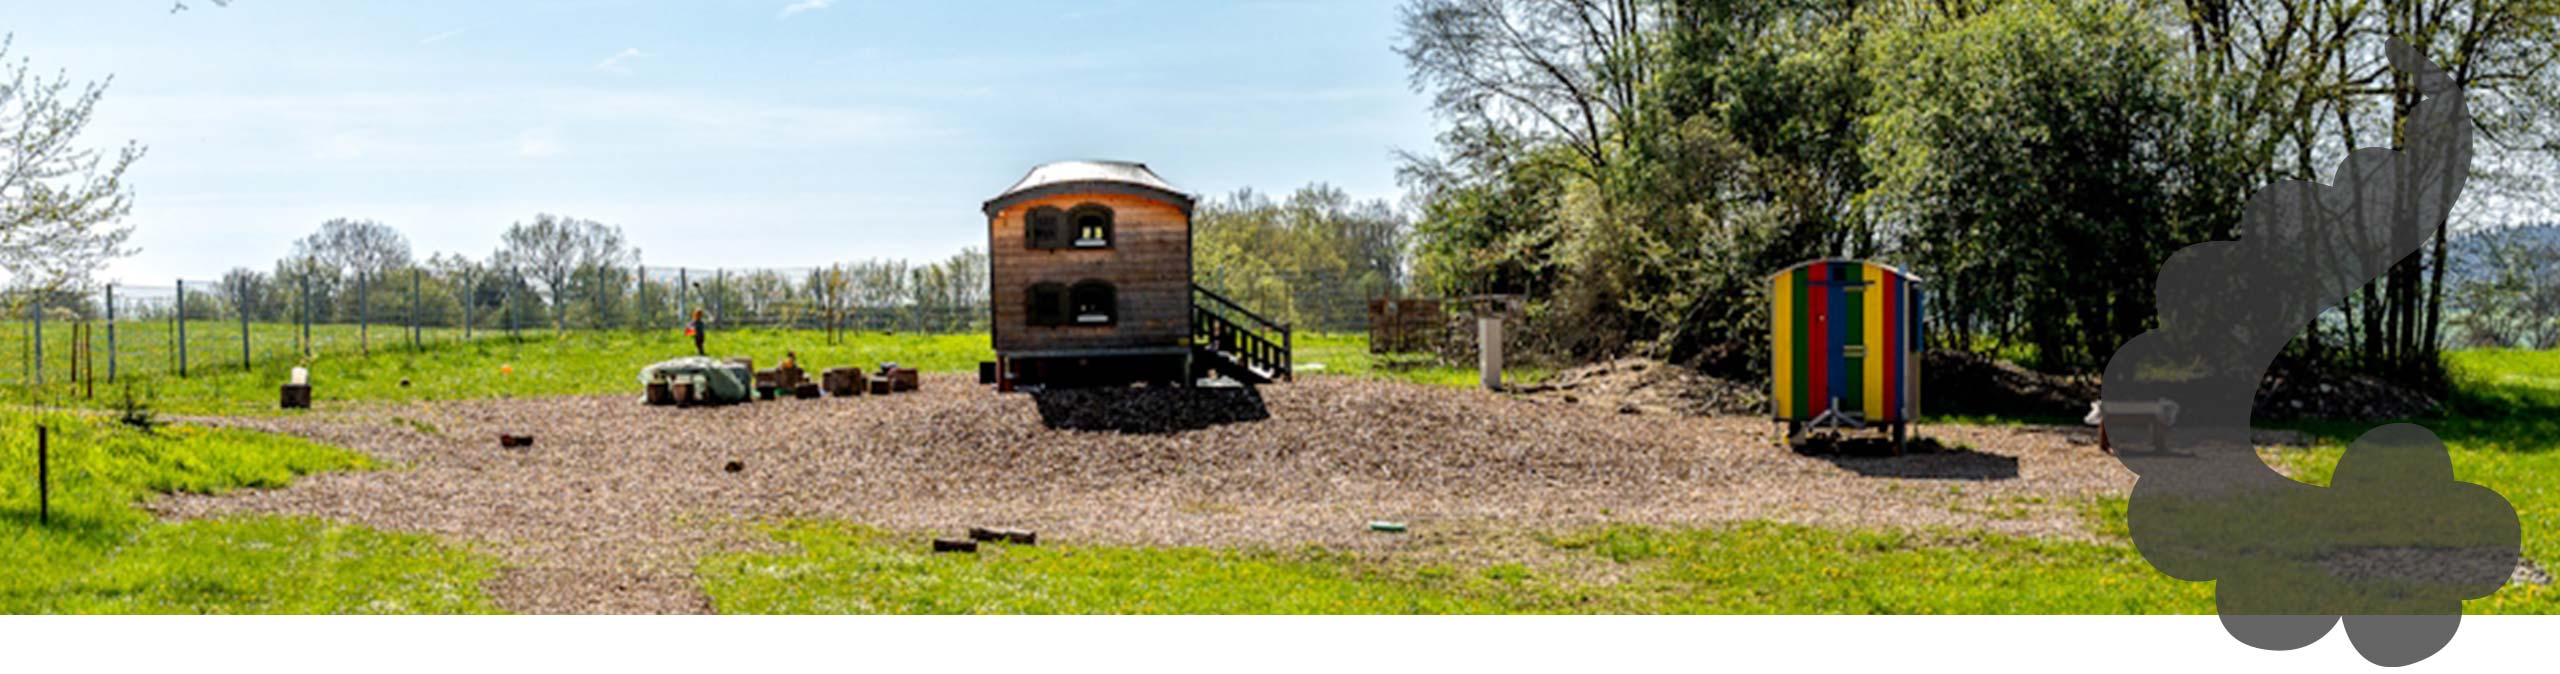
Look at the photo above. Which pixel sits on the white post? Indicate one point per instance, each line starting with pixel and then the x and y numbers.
pixel 1489 349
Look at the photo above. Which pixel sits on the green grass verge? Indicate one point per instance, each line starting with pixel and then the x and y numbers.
pixel 578 363
pixel 2501 428
pixel 1748 568
pixel 1347 354
pixel 102 554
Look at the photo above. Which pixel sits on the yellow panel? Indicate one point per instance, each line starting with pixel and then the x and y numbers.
pixel 1782 357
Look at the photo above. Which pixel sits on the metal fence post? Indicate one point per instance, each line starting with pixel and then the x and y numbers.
pixel 35 312
pixel 510 300
pixel 111 333
pixel 240 305
pixel 415 344
pixel 181 316
pixel 306 311
pixel 639 298
pixel 470 295
pixel 719 287
pixel 364 316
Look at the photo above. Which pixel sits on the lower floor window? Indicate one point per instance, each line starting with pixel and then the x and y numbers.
pixel 1095 302
pixel 1048 304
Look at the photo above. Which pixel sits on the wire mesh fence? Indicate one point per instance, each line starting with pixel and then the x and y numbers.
pixel 100 336
pixel 247 320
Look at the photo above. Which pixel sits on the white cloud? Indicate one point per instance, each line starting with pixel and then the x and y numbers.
pixel 621 62
pixel 806 6
pixel 440 37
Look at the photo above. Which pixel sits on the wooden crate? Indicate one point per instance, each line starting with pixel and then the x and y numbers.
pixel 296 397
pixel 806 391
pixel 902 379
pixel 843 381
pixel 682 392
pixel 660 393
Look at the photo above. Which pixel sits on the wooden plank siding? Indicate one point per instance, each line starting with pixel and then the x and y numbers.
pixel 1149 263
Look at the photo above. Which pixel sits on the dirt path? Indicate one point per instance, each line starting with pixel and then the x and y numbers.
pixel 611 507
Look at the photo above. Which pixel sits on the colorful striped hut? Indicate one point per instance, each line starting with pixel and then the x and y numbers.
pixel 1845 341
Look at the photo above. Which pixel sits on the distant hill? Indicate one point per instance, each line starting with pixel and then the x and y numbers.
pixel 2476 253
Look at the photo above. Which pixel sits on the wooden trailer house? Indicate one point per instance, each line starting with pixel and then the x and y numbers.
pixel 1090 275
pixel 1845 346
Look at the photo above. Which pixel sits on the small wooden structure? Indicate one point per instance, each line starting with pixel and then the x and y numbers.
pixel 1409 325
pixel 1089 267
pixel 1845 339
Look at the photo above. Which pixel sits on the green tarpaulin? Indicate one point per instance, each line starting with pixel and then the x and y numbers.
pixel 715 380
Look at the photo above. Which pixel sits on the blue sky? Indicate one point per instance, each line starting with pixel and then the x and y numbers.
pixel 716 133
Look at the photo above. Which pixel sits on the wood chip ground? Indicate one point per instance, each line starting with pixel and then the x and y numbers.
pixel 609 510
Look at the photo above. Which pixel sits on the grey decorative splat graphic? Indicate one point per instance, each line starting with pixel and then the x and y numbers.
pixel 2395 544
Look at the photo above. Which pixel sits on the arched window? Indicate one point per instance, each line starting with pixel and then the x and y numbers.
pixel 1092 224
pixel 1095 303
pixel 1045 227
pixel 1048 304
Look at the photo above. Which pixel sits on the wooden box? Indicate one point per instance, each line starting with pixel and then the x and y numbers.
pixel 806 391
pixel 902 379
pixel 843 381
pixel 297 397
pixel 790 376
pixel 682 391
pixel 661 393
pixel 880 386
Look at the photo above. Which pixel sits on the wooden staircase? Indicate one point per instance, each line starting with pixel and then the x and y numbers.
pixel 1230 340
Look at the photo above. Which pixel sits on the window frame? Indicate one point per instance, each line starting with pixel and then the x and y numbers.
pixel 1072 234
pixel 1077 295
pixel 1056 236
pixel 1061 308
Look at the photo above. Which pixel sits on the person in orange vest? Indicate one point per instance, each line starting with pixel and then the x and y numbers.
pixel 696 328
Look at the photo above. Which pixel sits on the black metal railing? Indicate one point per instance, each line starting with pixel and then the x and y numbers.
pixel 1220 325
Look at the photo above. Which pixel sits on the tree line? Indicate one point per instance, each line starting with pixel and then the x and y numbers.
pixel 1637 167
pixel 563 273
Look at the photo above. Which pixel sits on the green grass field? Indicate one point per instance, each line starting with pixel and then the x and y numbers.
pixel 1749 568
pixel 2502 428
pixel 446 367
pixel 103 554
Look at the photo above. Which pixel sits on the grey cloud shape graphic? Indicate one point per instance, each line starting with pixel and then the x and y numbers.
pixel 2395 544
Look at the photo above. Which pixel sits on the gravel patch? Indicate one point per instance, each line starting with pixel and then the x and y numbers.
pixel 608 510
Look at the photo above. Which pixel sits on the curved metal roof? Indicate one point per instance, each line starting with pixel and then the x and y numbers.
pixel 1068 177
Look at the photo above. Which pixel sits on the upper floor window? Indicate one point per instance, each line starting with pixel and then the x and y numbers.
pixel 1092 225
pixel 1045 227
